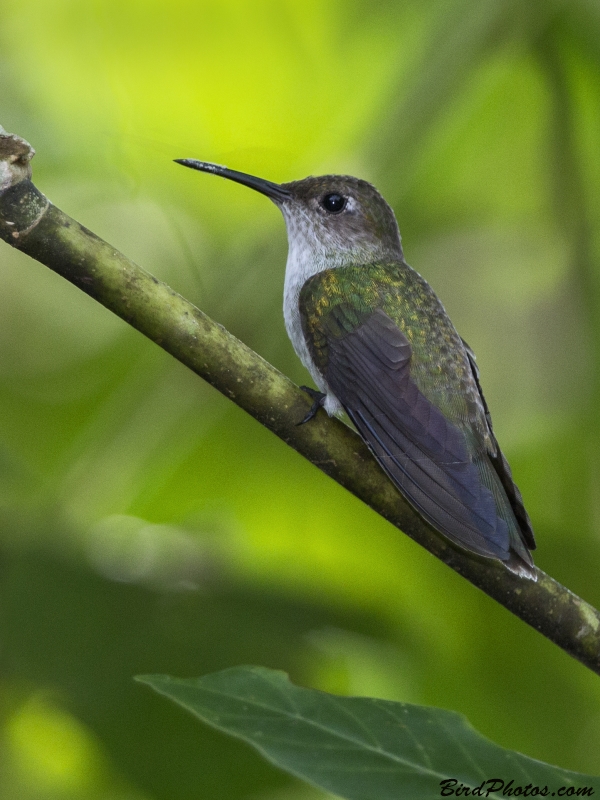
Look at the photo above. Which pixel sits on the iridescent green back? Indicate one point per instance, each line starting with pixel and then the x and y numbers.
pixel 440 366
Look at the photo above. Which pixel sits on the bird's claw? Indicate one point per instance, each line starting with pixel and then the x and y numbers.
pixel 318 400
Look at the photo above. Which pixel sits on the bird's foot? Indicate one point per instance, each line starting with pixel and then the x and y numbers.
pixel 318 400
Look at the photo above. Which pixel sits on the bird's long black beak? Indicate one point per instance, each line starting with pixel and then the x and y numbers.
pixel 275 191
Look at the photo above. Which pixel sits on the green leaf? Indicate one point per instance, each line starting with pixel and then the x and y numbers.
pixel 361 748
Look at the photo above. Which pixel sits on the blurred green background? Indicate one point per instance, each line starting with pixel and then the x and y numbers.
pixel 146 524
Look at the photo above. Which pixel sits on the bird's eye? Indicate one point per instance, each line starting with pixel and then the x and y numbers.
pixel 334 203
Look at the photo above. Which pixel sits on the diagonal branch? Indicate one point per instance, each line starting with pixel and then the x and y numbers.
pixel 29 222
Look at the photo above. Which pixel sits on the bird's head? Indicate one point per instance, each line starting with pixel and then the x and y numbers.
pixel 336 219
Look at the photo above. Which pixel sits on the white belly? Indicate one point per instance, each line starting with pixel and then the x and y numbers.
pixel 293 325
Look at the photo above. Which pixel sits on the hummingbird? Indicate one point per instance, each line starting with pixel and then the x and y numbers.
pixel 380 346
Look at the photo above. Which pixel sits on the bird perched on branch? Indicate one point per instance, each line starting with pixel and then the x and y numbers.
pixel 380 346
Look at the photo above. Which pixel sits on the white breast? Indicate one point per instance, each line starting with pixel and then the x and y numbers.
pixel 303 262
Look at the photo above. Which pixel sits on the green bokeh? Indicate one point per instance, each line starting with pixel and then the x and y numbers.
pixel 146 525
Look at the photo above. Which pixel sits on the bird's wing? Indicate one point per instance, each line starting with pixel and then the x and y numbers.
pixel 501 465
pixel 424 454
pixel 423 416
